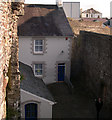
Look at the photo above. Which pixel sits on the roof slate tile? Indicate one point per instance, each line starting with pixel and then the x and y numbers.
pixel 43 20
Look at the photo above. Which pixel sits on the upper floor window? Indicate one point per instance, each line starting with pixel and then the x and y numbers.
pixel 38 46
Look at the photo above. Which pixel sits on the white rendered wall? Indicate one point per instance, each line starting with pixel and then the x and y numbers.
pixel 44 107
pixel 83 15
pixel 50 58
pixel 89 15
pixel 96 15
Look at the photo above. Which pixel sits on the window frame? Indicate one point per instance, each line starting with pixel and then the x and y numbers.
pixel 30 110
pixel 91 15
pixel 38 52
pixel 38 69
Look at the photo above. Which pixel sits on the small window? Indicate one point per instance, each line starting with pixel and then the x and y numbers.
pixel 98 16
pixel 38 46
pixel 38 70
pixel 31 111
pixel 86 15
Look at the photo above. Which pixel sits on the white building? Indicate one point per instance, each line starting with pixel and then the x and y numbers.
pixel 36 100
pixel 45 39
pixel 91 13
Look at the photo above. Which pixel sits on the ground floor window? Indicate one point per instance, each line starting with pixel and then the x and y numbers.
pixel 31 111
pixel 38 70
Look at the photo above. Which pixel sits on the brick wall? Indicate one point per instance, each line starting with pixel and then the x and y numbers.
pixel 92 63
pixel 9 13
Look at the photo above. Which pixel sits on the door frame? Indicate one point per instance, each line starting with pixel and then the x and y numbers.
pixel 61 65
pixel 60 62
pixel 28 104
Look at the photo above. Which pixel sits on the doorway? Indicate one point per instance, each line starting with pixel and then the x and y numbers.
pixel 31 111
pixel 61 71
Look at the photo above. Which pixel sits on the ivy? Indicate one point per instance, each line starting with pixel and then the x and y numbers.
pixel 11 113
pixel 21 77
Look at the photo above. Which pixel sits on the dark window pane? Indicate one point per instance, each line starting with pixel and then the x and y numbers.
pixel 31 111
pixel 38 48
pixel 38 42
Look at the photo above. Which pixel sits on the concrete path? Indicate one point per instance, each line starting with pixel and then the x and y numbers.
pixel 77 105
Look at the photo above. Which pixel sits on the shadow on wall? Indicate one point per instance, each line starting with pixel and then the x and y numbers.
pixel 91 63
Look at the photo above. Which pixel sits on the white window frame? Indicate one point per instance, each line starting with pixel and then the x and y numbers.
pixel 38 69
pixel 39 52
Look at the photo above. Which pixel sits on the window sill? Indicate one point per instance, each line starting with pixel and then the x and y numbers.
pixel 38 53
pixel 39 76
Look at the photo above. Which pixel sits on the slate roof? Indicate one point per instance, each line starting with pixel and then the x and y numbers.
pixel 107 23
pixel 43 20
pixel 91 10
pixel 32 84
pixel 95 19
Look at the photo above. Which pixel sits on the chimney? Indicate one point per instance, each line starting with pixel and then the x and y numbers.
pixel 59 3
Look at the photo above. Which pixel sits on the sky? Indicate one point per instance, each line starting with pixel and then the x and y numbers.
pixel 102 6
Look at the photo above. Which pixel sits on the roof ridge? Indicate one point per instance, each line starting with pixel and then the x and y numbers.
pixel 88 10
pixel 36 17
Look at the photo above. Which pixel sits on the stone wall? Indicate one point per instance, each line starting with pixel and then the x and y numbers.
pixel 9 13
pixel 78 25
pixel 92 63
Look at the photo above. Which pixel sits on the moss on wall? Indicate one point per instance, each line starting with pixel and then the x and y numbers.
pixel 11 113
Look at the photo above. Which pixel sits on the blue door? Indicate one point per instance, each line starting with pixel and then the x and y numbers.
pixel 31 111
pixel 61 72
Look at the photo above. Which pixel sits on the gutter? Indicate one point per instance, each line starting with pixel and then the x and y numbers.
pixel 49 101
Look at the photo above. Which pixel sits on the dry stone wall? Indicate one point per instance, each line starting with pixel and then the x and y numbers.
pixel 9 13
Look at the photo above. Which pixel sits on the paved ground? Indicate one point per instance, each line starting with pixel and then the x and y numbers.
pixel 77 105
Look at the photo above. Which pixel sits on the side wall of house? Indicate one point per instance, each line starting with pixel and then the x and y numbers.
pixel 52 56
pixel 44 107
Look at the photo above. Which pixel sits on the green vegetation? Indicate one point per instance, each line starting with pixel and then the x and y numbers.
pixel 11 113
pixel 21 77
